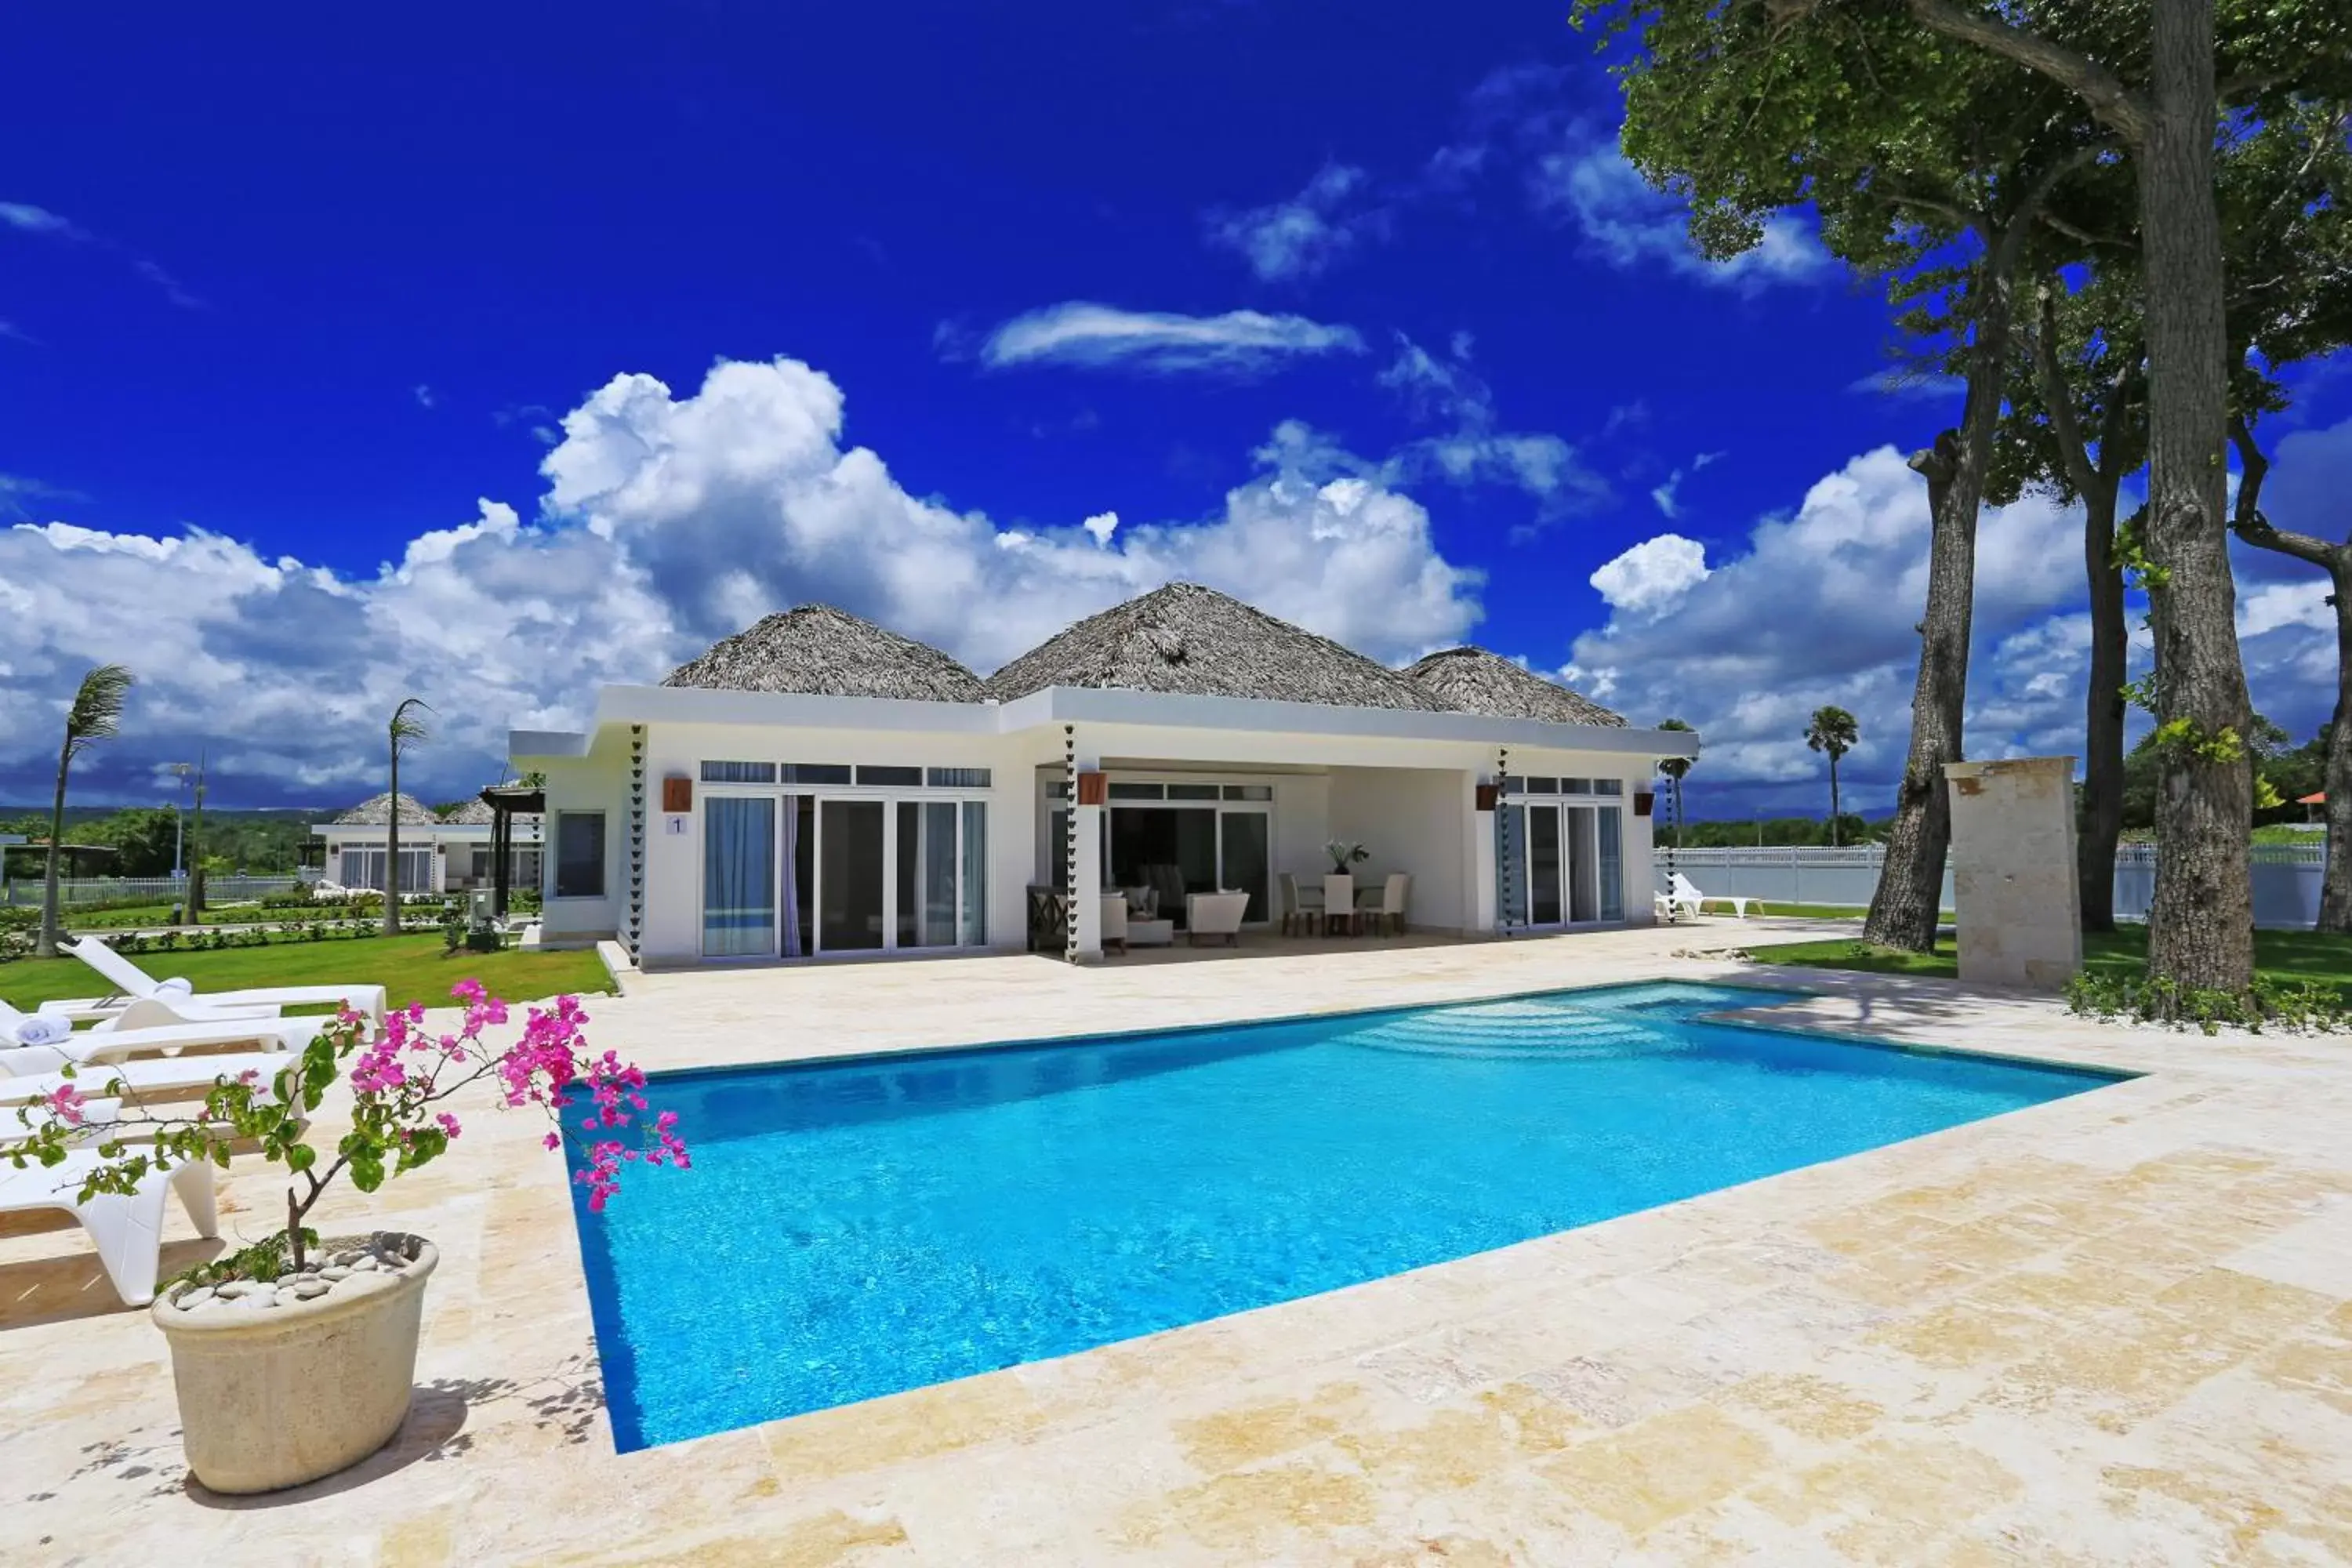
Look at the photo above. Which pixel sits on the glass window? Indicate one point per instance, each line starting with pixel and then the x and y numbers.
pixel 1514 784
pixel 1613 862
pixel 1058 790
pixel 1192 791
pixel 959 778
pixel 739 876
pixel 1538 785
pixel 1608 787
pixel 976 872
pixel 1575 787
pixel 1249 792
pixel 849 886
pixel 579 854
pixel 739 772
pixel 926 873
pixel 1138 792
pixel 895 777
pixel 815 773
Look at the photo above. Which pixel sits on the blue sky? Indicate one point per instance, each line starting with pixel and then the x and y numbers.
pixel 327 342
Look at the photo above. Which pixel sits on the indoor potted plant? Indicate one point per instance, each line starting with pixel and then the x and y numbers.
pixel 296 1358
pixel 1345 856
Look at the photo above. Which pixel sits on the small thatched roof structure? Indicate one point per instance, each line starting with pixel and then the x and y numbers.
pixel 370 813
pixel 816 650
pixel 1472 680
pixel 1198 642
pixel 474 813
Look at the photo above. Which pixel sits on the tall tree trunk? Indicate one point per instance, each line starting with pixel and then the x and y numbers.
pixel 1833 801
pixel 391 850
pixel 2103 717
pixel 2335 886
pixel 2200 922
pixel 45 945
pixel 1908 901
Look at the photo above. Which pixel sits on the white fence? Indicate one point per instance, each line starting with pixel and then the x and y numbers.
pixel 161 889
pixel 2286 877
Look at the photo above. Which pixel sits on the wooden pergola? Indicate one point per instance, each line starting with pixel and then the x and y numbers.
pixel 508 802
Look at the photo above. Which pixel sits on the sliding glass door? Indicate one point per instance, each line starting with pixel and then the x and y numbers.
pixel 1558 864
pixel 797 875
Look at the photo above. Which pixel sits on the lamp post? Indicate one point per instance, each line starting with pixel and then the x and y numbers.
pixel 185 772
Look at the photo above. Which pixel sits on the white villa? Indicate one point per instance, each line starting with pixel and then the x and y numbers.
pixel 437 854
pixel 818 787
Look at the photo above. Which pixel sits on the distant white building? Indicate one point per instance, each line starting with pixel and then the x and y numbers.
pixel 437 854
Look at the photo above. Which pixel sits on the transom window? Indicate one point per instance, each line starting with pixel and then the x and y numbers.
pixel 868 775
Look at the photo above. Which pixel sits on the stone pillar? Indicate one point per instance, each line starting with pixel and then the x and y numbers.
pixel 2013 889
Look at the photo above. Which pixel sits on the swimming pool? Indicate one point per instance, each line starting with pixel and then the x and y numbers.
pixel 855 1229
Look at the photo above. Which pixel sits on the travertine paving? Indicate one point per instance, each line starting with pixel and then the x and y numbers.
pixel 2114 1329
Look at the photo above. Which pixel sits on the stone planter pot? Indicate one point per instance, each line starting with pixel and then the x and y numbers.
pixel 274 1396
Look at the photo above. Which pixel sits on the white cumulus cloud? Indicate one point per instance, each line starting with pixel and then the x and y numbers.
pixel 1654 575
pixel 668 522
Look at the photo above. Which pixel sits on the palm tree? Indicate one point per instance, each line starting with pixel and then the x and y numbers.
pixel 1674 768
pixel 1833 730
pixel 405 731
pixel 96 715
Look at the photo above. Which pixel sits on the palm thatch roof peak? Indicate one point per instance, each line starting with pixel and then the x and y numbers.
pixel 1188 639
pixel 817 650
pixel 374 810
pixel 1472 680
pixel 475 812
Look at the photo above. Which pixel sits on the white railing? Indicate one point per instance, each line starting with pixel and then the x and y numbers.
pixel 159 890
pixel 2285 876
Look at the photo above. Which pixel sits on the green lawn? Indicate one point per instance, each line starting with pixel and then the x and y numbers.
pixel 2284 955
pixel 410 969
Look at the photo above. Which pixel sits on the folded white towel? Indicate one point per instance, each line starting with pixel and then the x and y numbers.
pixel 176 986
pixel 36 1029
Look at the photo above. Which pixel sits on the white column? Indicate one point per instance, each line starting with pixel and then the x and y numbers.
pixel 1482 863
pixel 1085 884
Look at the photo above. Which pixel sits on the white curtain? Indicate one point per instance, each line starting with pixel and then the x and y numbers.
pixel 739 877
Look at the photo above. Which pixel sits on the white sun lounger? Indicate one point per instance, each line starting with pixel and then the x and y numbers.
pixel 127 1231
pixel 44 1042
pixel 1686 896
pixel 133 984
pixel 160 1077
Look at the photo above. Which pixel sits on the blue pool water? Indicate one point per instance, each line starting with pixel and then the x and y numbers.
pixel 853 1230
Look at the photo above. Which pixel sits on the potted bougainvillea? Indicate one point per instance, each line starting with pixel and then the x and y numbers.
pixel 295 1357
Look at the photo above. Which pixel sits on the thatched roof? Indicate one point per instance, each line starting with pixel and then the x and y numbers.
pixel 818 650
pixel 1196 641
pixel 472 813
pixel 1472 680
pixel 370 813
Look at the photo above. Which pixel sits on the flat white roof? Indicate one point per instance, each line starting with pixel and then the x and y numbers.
pixel 1083 705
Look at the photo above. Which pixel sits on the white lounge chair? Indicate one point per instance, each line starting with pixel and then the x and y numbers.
pixel 133 983
pixel 1214 914
pixel 1686 896
pixel 1114 921
pixel 127 1231
pixel 44 1042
